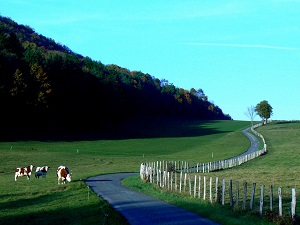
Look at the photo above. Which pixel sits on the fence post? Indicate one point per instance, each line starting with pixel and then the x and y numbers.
pixel 279 202
pixel 184 182
pixel 293 203
pixel 216 195
pixel 199 188
pixel 210 189
pixel 230 193
pixel 168 180
pixel 190 184
pixel 252 196
pixel 204 188
pixel 245 196
pixel 271 198
pixel 223 192
pixel 171 182
pixel 261 205
pixel 237 195
pixel 195 186
pixel 180 181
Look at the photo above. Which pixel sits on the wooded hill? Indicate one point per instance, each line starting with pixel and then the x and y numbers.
pixel 45 86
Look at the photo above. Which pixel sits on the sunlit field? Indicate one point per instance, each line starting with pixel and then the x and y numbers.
pixel 43 201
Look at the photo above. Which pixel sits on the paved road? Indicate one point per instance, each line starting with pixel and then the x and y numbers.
pixel 253 139
pixel 139 208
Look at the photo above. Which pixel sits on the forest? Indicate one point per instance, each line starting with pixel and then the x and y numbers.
pixel 46 87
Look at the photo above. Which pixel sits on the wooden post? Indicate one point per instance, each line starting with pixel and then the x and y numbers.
pixel 180 182
pixel 293 203
pixel 279 202
pixel 184 182
pixel 223 192
pixel 237 195
pixel 190 184
pixel 271 198
pixel 168 180
pixel 230 193
pixel 261 205
pixel 195 186
pixel 252 196
pixel 245 196
pixel 157 176
pixel 171 181
pixel 204 188
pixel 175 181
pixel 210 189
pixel 199 188
pixel 160 172
pixel 217 185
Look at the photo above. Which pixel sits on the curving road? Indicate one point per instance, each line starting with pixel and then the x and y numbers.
pixel 139 208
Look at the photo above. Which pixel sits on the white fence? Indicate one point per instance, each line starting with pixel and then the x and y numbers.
pixel 210 166
pixel 176 176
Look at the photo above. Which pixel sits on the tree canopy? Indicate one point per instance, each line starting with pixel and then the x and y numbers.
pixel 44 85
pixel 264 110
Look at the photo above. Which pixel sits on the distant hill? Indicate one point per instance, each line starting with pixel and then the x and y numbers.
pixel 45 86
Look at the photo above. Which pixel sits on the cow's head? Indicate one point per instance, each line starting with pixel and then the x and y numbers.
pixel 31 167
pixel 68 178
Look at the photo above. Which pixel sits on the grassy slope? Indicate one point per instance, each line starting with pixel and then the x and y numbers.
pixel 44 202
pixel 278 168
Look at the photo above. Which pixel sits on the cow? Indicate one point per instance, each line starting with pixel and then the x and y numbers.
pixel 63 174
pixel 24 171
pixel 41 171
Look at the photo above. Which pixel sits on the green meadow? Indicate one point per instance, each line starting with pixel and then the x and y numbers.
pixel 43 201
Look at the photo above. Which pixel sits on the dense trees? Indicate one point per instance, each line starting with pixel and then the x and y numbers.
pixel 44 84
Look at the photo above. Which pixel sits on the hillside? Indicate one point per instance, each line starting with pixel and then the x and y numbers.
pixel 44 87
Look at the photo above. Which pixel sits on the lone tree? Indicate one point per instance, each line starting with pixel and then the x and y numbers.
pixel 251 113
pixel 264 110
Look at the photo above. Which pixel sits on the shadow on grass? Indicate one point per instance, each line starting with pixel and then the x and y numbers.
pixel 145 127
pixel 37 211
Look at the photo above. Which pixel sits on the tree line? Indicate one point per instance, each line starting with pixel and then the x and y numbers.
pixel 44 86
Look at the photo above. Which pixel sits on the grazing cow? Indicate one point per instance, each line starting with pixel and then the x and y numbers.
pixel 41 171
pixel 24 171
pixel 63 174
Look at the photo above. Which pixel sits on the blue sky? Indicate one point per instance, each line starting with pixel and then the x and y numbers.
pixel 238 52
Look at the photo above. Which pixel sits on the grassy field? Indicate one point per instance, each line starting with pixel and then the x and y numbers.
pixel 278 168
pixel 44 202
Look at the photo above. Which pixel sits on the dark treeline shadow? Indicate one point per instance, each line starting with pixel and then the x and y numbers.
pixel 142 127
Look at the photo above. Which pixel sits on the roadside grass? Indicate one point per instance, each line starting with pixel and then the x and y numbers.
pixel 43 201
pixel 222 214
pixel 278 168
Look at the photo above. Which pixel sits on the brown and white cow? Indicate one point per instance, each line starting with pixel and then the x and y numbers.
pixel 63 174
pixel 41 171
pixel 24 171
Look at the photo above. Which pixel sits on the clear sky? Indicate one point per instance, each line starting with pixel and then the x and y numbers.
pixel 239 52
